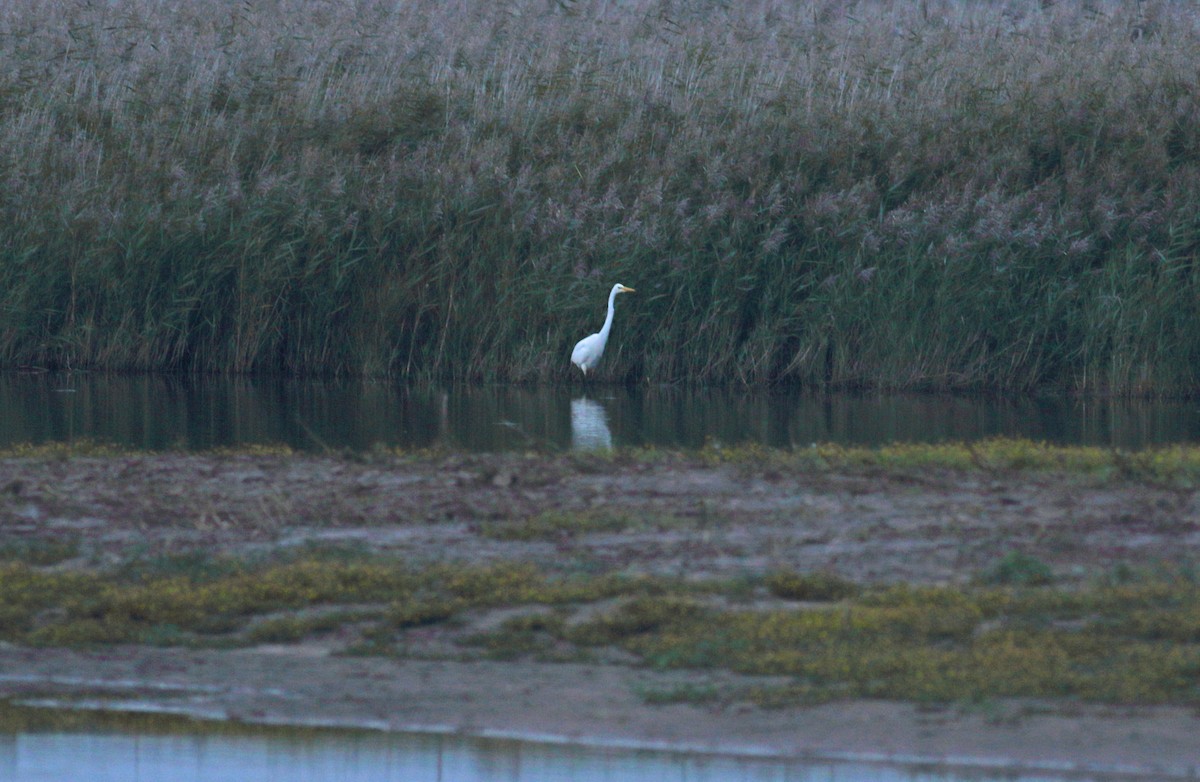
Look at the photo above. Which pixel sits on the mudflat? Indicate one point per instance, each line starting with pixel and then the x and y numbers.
pixel 703 519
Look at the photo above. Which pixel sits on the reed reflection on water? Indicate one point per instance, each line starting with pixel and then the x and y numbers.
pixel 158 412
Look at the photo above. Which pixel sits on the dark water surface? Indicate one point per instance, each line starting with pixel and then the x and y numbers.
pixel 157 412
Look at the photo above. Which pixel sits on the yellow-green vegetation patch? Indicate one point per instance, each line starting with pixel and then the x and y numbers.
pixel 78 608
pixel 252 449
pixel 1133 640
pixel 1179 464
pixel 418 611
pixel 62 450
pixel 687 692
pixel 817 586
pixel 1175 463
pixel 1131 643
pixel 202 601
pixel 636 618
pixel 17 717
pixel 115 610
pixel 529 635
pixel 39 551
pixel 1019 568
pixel 1115 644
pixel 288 629
pixel 26 593
pixel 86 448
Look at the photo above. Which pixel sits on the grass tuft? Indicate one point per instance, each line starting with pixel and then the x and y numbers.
pixel 1019 569
pixel 810 586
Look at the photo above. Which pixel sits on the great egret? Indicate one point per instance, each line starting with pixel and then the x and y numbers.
pixel 588 350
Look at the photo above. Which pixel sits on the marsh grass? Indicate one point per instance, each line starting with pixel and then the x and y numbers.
pixel 1158 464
pixel 1171 464
pixel 535 636
pixel 290 629
pixel 911 194
pixel 687 692
pixel 40 552
pixel 1019 569
pixel 1130 640
pixel 950 644
pixel 819 587
pixel 18 718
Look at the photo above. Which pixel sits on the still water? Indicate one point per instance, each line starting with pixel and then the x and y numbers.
pixel 157 412
pixel 358 756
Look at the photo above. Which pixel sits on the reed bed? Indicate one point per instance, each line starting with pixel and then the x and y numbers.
pixel 887 194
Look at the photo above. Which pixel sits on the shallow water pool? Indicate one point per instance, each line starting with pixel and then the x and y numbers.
pixel 338 756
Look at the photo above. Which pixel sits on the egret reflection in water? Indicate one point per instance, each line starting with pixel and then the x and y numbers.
pixel 589 425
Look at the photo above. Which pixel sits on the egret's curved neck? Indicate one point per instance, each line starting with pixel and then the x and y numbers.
pixel 607 327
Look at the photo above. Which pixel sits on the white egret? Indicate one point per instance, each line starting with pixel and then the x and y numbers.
pixel 588 350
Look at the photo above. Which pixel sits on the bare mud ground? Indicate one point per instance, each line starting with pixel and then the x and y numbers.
pixel 867 525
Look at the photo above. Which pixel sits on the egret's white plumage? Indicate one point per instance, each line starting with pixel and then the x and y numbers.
pixel 588 350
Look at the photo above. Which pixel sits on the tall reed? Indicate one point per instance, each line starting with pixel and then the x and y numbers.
pixel 898 194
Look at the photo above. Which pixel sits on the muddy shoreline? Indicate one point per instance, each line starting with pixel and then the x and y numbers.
pixel 599 706
pixel 721 519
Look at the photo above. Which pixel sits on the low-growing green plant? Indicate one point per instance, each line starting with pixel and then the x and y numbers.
pixel 197 566
pixel 688 692
pixel 17 718
pixel 61 450
pixel 1176 464
pixel 528 635
pixel 89 631
pixel 810 586
pixel 1136 640
pixel 40 552
pixel 289 629
pixel 1019 569
pixel 98 609
pixel 418 613
pixel 637 617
